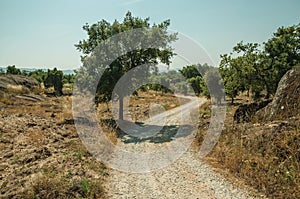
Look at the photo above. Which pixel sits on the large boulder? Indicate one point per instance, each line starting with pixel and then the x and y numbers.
pixel 286 102
pixel 7 81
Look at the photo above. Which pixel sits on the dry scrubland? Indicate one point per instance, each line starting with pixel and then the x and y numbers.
pixel 41 153
pixel 264 150
pixel 262 155
pixel 42 156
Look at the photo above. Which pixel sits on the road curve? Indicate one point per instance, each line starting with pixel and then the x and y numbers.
pixel 186 177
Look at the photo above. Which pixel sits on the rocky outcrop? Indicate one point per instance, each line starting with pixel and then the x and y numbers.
pixel 246 112
pixel 286 102
pixel 17 80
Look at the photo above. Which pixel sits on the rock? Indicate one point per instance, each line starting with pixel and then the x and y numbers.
pixel 30 97
pixel 8 155
pixel 17 80
pixel 46 105
pixel 30 124
pixel 246 112
pixel 69 121
pixel 286 102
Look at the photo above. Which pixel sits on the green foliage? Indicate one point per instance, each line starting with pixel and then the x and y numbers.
pixel 204 89
pixel 103 30
pixel 190 72
pixel 54 78
pixel 68 79
pixel 195 77
pixel 1 71
pixel 195 83
pixel 172 80
pixel 281 53
pixel 195 70
pixel 232 85
pixel 13 70
pixel 254 69
pixel 242 73
pixel 214 84
pixel 39 75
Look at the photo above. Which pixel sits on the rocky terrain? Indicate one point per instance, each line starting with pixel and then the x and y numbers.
pixel 286 102
pixel 42 156
pixel 7 81
pixel 262 147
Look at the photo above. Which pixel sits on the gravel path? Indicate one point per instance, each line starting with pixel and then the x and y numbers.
pixel 186 177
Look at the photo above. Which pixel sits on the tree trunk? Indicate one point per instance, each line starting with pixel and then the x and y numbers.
pixel 268 89
pixel 121 107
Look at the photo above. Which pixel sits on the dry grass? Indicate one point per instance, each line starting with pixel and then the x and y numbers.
pixel 67 89
pixel 74 177
pixel 70 171
pixel 266 156
pixel 17 89
pixel 35 136
pixel 48 186
pixel 59 108
pixel 5 99
pixel 63 109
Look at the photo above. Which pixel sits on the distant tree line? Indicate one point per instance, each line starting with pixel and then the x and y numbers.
pixel 49 78
pixel 205 80
pixel 257 69
pixel 250 67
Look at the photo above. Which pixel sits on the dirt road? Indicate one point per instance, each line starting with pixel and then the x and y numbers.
pixel 184 177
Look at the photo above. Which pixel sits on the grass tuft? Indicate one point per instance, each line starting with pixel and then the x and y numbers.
pixel 266 156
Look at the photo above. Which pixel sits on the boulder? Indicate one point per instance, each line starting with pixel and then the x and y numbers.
pixel 17 80
pixel 286 102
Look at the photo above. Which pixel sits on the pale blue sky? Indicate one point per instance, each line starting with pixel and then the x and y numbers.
pixel 42 34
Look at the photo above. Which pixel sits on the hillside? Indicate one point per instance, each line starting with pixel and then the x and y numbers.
pixel 264 150
pixel 15 81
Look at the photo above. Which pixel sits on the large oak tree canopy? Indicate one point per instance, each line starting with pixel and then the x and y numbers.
pixel 148 46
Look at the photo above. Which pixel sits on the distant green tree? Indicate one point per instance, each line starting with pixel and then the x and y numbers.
pixel 190 71
pixel 255 69
pixel 68 78
pixel 242 72
pixel 39 74
pixel 24 73
pixel 13 70
pixel 54 78
pixel 195 70
pixel 231 81
pixel 2 71
pixel 195 84
pixel 182 87
pixel 281 53
pixel 194 75
pixel 214 81
pixel 204 89
pixel 165 85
